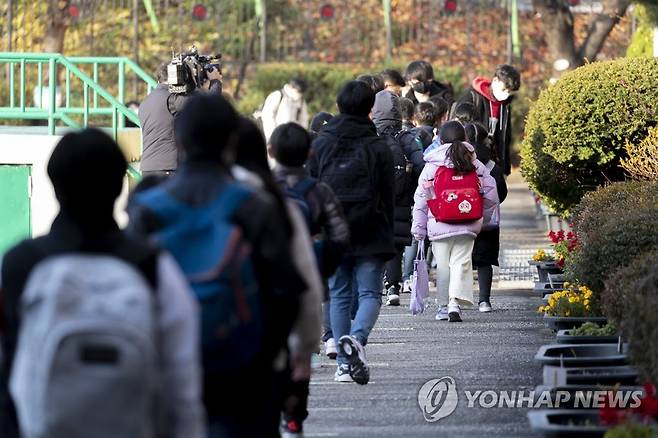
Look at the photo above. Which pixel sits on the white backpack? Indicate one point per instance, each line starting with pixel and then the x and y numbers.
pixel 85 364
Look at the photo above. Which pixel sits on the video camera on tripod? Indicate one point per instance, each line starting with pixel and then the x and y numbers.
pixel 188 71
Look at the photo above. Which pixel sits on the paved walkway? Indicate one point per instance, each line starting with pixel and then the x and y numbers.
pixel 486 352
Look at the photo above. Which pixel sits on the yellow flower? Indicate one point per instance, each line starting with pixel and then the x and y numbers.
pixel 586 303
pixel 567 313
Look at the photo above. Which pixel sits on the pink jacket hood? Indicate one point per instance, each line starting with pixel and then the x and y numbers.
pixel 424 224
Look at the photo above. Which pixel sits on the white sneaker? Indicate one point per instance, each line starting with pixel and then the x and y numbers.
pixel 442 314
pixel 343 374
pixel 454 312
pixel 406 287
pixel 485 307
pixel 356 357
pixel 330 348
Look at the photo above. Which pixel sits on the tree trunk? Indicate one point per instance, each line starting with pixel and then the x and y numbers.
pixel 56 25
pixel 558 26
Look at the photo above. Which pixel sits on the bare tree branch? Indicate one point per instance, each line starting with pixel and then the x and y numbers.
pixel 601 27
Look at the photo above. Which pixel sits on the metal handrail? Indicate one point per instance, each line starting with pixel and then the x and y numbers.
pixel 117 109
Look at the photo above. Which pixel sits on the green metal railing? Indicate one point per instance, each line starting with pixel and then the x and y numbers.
pixel 67 111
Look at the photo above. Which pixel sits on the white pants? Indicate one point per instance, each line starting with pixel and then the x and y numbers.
pixel 454 269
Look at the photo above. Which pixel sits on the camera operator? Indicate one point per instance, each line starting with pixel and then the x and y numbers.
pixel 156 115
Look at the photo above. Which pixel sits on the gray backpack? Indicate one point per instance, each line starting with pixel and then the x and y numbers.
pixel 85 364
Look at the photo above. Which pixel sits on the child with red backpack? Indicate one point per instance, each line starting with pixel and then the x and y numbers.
pixel 455 196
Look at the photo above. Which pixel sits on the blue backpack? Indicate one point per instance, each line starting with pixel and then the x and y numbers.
pixel 216 261
pixel 297 194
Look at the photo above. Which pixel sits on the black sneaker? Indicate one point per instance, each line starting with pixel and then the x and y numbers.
pixel 393 296
pixel 356 357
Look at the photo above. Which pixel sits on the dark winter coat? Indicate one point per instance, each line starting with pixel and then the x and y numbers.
pixel 502 136
pixel 487 243
pixel 156 116
pixel 359 132
pixel 408 160
pixel 66 236
pixel 261 223
pixel 327 218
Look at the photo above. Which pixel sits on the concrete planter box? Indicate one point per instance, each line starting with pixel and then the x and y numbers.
pixel 582 355
pixel 609 376
pixel 545 268
pixel 564 337
pixel 567 423
pixel 557 323
pixel 579 394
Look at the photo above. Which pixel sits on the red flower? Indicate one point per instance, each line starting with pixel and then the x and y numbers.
pixel 610 416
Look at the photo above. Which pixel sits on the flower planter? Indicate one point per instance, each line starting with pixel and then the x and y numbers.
pixel 545 268
pixel 612 375
pixel 570 322
pixel 581 355
pixel 581 396
pixel 547 288
pixel 567 423
pixel 564 337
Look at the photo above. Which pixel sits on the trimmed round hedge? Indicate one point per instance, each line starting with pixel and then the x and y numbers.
pixel 576 131
pixel 614 225
pixel 640 325
pixel 623 283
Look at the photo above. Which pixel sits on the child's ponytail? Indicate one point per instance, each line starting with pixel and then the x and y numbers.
pixel 461 158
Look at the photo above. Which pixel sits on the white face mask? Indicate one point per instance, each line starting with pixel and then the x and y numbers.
pixel 421 97
pixel 294 93
pixel 499 91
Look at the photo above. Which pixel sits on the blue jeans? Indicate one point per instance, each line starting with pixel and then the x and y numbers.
pixel 367 274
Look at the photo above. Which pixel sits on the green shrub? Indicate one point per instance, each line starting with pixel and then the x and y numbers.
pixel 640 324
pixel 646 16
pixel 614 245
pixel 610 202
pixel 642 161
pixel 593 329
pixel 577 129
pixel 632 430
pixel 622 283
pixel 324 81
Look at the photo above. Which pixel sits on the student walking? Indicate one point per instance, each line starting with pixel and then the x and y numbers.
pixel 233 243
pixel 358 166
pixel 491 101
pixel 87 297
pixel 487 243
pixel 294 377
pixel 455 195
pixel 408 162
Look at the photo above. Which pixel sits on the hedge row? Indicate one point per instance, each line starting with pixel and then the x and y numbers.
pixel 617 227
pixel 324 81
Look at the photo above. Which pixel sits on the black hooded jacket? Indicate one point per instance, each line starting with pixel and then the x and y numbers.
pixel 359 133
pixel 483 154
pixel 502 136
pixel 408 161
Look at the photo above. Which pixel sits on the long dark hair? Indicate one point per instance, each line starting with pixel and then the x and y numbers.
pixel 252 155
pixel 478 136
pixel 461 158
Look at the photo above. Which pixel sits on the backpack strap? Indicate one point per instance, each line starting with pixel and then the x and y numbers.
pixel 278 105
pixel 304 185
pixel 168 208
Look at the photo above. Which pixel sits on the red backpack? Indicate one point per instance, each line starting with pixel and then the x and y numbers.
pixel 457 197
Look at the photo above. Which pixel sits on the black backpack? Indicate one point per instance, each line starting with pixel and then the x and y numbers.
pixel 405 181
pixel 346 168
